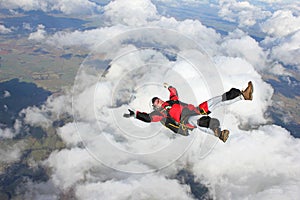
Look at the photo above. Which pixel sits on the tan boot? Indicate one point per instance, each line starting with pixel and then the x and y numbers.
pixel 224 135
pixel 247 94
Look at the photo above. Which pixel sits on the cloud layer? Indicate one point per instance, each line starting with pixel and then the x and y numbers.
pixel 4 30
pixel 68 7
pixel 145 49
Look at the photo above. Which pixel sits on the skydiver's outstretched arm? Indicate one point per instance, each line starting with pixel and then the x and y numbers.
pixel 154 116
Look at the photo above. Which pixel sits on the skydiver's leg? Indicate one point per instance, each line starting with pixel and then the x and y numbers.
pixel 205 128
pixel 227 98
pixel 210 125
pixel 232 96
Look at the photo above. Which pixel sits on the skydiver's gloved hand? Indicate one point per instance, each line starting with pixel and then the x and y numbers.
pixel 130 114
pixel 166 85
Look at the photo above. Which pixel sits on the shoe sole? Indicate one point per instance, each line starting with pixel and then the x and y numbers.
pixel 226 136
pixel 251 91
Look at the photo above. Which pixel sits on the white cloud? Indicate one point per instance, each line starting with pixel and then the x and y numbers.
pixel 143 187
pixel 39 34
pixel 69 134
pixel 52 110
pixel 68 7
pixel 11 153
pixel 4 30
pixel 42 190
pixel 27 26
pixel 182 2
pixel 6 94
pixel 34 117
pixel 242 12
pixel 6 133
pixel 291 5
pixel 239 44
pixel 283 37
pixel 77 162
pixel 76 7
pixel 25 4
pixel 288 50
pixel 203 36
pixel 236 72
pixel 132 13
pixel 193 29
pixel 260 162
pixel 57 105
pixel 11 132
pixel 278 69
pixel 284 49
pixel 98 130
pixel 89 38
pixel 282 23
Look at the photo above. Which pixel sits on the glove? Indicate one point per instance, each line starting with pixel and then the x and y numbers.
pixel 166 85
pixel 131 114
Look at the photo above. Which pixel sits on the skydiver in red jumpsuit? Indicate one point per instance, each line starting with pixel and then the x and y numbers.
pixel 176 115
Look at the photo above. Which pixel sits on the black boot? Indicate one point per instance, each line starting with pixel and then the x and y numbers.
pixel 231 94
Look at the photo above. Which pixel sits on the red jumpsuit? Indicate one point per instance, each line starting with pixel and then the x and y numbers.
pixel 174 114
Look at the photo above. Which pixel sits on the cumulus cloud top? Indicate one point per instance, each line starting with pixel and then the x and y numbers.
pixel 288 49
pixel 4 30
pixel 11 132
pixel 234 46
pixel 6 94
pixel 39 34
pixel 66 6
pixel 105 134
pixel 144 50
pixel 123 11
pixel 282 23
pixel 242 12
pixel 260 153
pixel 11 153
pixel 145 187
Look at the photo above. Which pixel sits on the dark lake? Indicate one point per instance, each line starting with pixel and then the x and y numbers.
pixel 15 96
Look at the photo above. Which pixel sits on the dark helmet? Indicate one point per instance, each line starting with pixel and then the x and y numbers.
pixel 154 99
